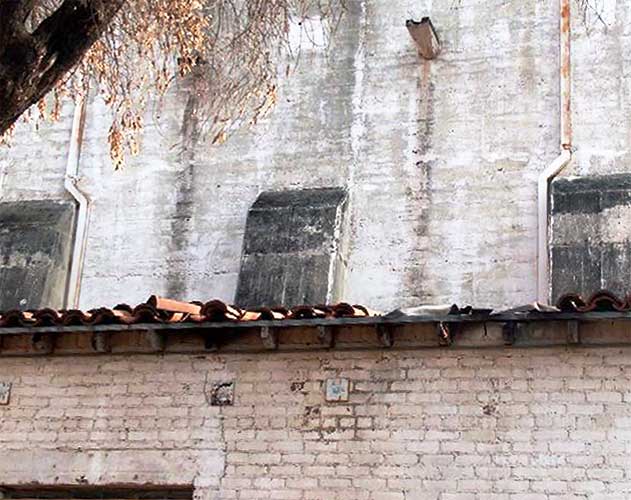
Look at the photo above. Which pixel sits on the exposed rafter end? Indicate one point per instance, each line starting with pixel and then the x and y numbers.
pixel 43 343
pixel 384 335
pixel 211 342
pixel 158 340
pixel 269 336
pixel 326 336
pixel 573 332
pixel 509 332
pixel 101 342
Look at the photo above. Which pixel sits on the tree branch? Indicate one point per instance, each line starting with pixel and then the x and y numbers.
pixel 13 14
pixel 32 64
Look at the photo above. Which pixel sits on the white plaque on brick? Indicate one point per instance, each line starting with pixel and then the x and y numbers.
pixel 5 392
pixel 337 389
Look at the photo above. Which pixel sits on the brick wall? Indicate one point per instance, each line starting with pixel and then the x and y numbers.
pixel 506 424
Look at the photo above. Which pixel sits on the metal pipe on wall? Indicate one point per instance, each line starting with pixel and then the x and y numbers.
pixel 564 158
pixel 71 180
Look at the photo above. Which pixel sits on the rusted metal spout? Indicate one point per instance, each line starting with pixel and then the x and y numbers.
pixel 425 37
pixel 566 80
pixel 564 158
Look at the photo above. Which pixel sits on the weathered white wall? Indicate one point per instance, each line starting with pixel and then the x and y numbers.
pixel 602 92
pixel 440 159
pixel 500 424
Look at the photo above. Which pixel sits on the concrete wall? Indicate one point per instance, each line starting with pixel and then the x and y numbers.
pixel 440 159
pixel 506 424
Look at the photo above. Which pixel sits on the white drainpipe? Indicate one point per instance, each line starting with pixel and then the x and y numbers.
pixel 71 184
pixel 562 161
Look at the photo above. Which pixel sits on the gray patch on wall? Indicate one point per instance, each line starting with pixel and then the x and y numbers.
pixel 293 251
pixel 591 241
pixel 35 249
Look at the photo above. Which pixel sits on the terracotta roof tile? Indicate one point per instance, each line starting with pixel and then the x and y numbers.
pixel 163 310
pixel 160 310
pixel 75 317
pixel 601 301
pixel 16 318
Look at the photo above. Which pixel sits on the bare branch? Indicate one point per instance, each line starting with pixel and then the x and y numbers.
pixel 231 48
pixel 587 7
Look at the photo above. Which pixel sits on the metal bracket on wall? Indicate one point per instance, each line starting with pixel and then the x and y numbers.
pixel 5 396
pixel 446 333
pixel 425 37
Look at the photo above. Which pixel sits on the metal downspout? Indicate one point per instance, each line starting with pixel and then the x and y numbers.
pixel 561 162
pixel 83 215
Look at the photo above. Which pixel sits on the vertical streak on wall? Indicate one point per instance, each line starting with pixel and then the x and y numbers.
pixel 177 279
pixel 358 125
pixel 181 222
pixel 419 192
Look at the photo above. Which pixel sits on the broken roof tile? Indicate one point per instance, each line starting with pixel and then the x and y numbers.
pixel 174 305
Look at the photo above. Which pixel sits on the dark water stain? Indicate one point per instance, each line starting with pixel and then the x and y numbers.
pixel 419 195
pixel 526 63
pixel 182 219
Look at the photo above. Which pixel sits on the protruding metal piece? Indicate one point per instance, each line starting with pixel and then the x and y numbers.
pixel 445 334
